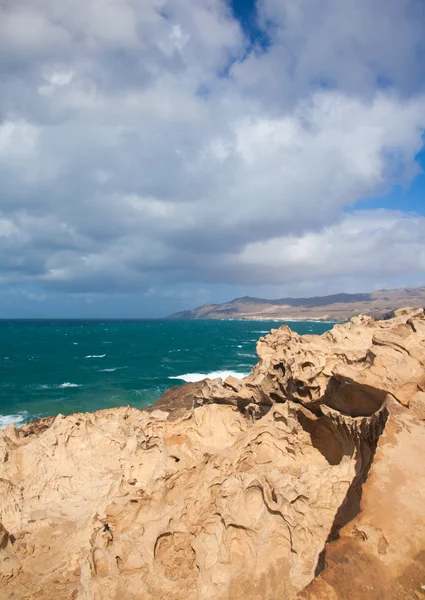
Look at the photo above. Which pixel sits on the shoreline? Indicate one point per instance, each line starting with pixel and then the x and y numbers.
pixel 176 400
pixel 39 396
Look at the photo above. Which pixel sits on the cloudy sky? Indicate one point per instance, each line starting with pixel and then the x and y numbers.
pixel 156 155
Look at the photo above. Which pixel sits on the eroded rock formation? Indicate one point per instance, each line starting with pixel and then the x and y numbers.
pixel 245 496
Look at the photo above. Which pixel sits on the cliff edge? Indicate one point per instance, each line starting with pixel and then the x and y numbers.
pixel 305 479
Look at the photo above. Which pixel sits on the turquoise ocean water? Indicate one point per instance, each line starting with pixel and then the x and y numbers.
pixel 51 367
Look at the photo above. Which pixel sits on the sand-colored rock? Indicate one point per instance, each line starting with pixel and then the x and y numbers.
pixel 348 368
pixel 380 555
pixel 241 496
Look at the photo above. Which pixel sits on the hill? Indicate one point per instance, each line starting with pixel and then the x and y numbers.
pixel 336 307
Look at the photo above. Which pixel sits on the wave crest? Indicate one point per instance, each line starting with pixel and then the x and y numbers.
pixel 17 419
pixel 67 384
pixel 193 377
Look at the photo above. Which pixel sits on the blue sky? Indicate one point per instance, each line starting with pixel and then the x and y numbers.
pixel 408 197
pixel 158 155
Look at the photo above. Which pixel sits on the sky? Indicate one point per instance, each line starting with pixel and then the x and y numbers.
pixel 157 155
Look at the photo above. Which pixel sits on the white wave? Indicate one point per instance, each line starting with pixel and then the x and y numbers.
pixel 95 356
pixel 69 385
pixel 192 377
pixel 111 370
pixel 75 343
pixel 247 355
pixel 314 322
pixel 18 419
pixel 240 346
pixel 45 386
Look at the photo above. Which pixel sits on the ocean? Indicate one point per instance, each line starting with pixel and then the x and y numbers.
pixel 51 367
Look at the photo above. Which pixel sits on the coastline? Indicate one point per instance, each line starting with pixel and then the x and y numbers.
pixel 176 400
pixel 59 367
pixel 225 486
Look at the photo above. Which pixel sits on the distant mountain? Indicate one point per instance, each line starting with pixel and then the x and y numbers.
pixel 337 307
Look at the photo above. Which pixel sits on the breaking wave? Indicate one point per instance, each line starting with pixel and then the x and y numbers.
pixel 192 377
pixel 67 384
pixel 18 419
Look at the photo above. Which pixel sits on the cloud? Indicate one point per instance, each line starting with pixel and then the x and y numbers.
pixel 364 244
pixel 351 45
pixel 149 144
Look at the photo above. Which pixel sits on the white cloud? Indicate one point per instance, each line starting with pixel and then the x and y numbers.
pixel 18 139
pixel 375 244
pixel 353 45
pixel 129 161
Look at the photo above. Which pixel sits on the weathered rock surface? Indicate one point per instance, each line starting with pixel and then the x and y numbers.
pixel 380 555
pixel 287 483
pixel 349 368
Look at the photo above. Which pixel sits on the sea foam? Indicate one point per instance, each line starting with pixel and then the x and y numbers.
pixel 45 386
pixel 67 384
pixel 192 377
pixel 18 419
pixel 95 356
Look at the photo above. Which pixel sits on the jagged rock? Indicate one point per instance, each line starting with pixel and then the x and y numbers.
pixel 238 498
pixel 9 563
pixel 417 404
pixel 380 555
pixel 176 400
pixel 37 426
pixel 347 368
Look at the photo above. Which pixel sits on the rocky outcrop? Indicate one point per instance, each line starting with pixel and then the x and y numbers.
pixel 247 495
pixel 350 368
pixel 380 554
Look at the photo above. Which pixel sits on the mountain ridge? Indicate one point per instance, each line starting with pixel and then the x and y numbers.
pixel 333 307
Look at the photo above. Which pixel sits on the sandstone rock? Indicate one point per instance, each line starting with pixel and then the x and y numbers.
pixel 9 563
pixel 417 404
pixel 380 555
pixel 347 368
pixel 176 400
pixel 37 426
pixel 248 495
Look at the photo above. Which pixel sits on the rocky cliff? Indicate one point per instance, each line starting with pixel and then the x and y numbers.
pixel 306 479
